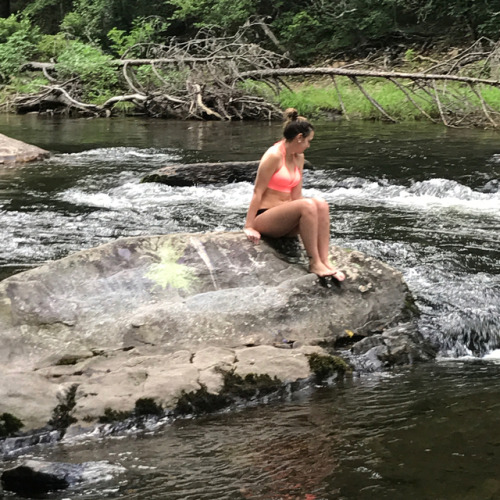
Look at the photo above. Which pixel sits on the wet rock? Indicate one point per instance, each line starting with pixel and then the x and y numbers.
pixel 14 151
pixel 401 345
pixel 492 186
pixel 34 477
pixel 159 317
pixel 192 174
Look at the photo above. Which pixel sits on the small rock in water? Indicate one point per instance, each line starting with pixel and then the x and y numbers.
pixel 491 187
pixel 35 477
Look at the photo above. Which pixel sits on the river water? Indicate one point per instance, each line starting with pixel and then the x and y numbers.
pixel 420 197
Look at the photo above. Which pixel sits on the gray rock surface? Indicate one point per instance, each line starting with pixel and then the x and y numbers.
pixel 192 174
pixel 161 316
pixel 14 151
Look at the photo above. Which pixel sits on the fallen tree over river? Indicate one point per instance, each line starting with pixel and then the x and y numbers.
pixel 208 78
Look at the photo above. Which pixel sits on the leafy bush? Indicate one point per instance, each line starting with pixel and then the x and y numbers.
pixel 8 27
pixel 19 45
pixel 51 46
pixel 143 32
pixel 91 66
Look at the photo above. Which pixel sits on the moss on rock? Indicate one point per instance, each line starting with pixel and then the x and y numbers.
pixel 61 416
pixel 235 388
pixel 144 407
pixel 324 366
pixel 9 425
pixel 200 401
pixel 147 406
pixel 111 416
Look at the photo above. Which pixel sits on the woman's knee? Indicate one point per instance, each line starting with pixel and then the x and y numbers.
pixel 321 206
pixel 320 203
pixel 308 207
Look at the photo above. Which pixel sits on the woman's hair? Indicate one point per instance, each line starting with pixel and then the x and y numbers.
pixel 295 124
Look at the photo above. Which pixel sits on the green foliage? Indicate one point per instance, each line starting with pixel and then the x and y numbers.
pixel 315 100
pixel 51 46
pixel 73 25
pixel 410 55
pixel 8 26
pixel 228 14
pixel 260 89
pixel 301 33
pixel 9 425
pixel 20 41
pixel 91 66
pixel 47 14
pixel 143 32
pixel 93 20
pixel 309 101
pixel 26 83
pixel 89 19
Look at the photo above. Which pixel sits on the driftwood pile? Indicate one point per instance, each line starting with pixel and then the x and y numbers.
pixel 210 72
pixel 196 79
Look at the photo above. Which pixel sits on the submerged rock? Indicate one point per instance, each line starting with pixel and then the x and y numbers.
pixel 35 477
pixel 492 186
pixel 159 317
pixel 14 151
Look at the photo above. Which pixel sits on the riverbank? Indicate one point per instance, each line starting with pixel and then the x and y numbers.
pixel 458 88
pixel 321 98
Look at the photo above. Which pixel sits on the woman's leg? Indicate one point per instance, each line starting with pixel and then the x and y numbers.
pixel 287 218
pixel 323 229
pixel 324 236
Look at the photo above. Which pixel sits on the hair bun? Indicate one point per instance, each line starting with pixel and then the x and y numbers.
pixel 290 114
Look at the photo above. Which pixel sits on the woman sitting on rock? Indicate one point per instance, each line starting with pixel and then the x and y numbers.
pixel 278 209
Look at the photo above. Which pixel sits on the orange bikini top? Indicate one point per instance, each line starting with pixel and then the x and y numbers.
pixel 282 180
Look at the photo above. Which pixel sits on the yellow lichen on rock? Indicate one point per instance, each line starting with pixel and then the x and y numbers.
pixel 168 272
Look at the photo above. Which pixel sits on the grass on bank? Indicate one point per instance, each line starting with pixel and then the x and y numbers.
pixel 319 99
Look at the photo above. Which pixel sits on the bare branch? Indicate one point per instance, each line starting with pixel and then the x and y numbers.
pixel 408 96
pixel 344 111
pixel 372 100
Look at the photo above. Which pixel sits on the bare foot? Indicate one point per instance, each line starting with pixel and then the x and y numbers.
pixel 321 270
pixel 336 273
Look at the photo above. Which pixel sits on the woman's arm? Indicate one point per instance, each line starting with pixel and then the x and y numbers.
pixel 297 190
pixel 268 165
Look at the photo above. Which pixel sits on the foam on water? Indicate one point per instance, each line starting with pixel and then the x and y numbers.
pixel 153 157
pixel 429 195
pixel 432 223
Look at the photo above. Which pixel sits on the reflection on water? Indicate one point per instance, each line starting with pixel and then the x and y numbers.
pixel 425 432
pixel 413 196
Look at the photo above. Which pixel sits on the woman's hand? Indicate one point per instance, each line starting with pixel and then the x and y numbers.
pixel 252 234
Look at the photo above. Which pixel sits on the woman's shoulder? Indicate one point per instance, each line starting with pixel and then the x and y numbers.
pixel 272 155
pixel 299 160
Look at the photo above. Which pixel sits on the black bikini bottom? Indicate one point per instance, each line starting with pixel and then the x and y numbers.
pixel 261 211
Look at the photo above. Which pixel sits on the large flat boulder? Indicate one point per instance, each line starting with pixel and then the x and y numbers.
pixel 14 151
pixel 161 316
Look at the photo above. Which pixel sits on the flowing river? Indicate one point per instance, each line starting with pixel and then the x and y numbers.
pixel 421 197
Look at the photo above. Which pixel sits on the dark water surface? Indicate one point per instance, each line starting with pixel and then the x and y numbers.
pixel 416 196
